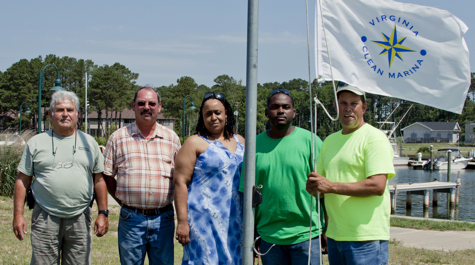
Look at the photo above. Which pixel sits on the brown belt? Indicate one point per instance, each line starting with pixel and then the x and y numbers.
pixel 149 212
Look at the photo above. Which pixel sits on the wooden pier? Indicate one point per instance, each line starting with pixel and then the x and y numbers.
pixel 424 189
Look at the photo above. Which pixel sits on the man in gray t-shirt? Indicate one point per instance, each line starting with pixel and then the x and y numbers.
pixel 67 165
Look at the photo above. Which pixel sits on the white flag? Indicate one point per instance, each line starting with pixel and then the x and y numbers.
pixel 384 47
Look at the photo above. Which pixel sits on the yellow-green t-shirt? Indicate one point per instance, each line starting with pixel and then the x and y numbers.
pixel 351 158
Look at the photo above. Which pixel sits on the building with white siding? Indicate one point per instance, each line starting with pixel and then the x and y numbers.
pixel 124 118
pixel 432 132
pixel 470 132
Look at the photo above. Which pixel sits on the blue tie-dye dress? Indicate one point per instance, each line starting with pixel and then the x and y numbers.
pixel 215 207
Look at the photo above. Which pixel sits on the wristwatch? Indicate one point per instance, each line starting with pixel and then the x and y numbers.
pixel 104 212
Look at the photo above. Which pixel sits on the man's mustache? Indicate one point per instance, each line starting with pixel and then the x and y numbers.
pixel 145 111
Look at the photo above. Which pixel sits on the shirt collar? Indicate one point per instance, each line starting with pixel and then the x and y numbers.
pixel 158 131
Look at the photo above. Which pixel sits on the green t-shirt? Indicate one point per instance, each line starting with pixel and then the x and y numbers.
pixel 350 158
pixel 282 166
pixel 62 192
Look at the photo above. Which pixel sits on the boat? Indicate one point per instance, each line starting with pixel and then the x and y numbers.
pixel 398 159
pixel 418 164
pixel 458 161
pixel 412 162
pixel 389 129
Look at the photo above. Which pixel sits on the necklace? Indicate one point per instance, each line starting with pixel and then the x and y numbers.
pixel 75 141
pixel 66 164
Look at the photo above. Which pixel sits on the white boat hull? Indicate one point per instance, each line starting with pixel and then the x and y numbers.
pixel 400 161
pixel 418 164
pixel 459 163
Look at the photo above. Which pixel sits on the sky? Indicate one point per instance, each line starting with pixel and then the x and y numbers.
pixel 163 40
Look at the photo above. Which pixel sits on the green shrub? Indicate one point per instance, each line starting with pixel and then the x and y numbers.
pixel 112 128
pixel 399 140
pixel 101 140
pixel 424 150
pixel 9 158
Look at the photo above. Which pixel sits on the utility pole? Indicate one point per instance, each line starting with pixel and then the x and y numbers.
pixel 85 106
pixel 251 121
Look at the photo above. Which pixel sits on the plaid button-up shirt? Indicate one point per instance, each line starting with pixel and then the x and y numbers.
pixel 143 168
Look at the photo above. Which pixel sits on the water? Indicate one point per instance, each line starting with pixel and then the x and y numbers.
pixel 466 208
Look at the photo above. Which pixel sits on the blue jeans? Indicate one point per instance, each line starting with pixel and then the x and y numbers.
pixel 358 252
pixel 140 234
pixel 296 254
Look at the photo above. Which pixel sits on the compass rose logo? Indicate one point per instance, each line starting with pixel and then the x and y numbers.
pixel 393 46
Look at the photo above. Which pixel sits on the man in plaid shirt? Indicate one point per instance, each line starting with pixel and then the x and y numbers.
pixel 139 161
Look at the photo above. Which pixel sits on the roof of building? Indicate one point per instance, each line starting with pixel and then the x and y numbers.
pixel 10 114
pixel 125 114
pixel 438 126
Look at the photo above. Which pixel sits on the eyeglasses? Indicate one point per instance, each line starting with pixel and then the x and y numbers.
pixel 150 103
pixel 275 91
pixel 66 164
pixel 218 96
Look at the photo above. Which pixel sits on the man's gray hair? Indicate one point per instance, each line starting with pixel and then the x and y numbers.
pixel 147 87
pixel 59 96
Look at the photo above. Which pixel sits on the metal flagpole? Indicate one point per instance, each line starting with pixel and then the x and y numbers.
pixel 85 107
pixel 251 117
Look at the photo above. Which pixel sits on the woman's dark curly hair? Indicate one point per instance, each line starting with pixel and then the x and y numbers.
pixel 230 122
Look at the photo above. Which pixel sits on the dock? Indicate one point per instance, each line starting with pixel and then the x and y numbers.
pixel 415 164
pixel 424 189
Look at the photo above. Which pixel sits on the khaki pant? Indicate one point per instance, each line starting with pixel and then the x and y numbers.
pixel 55 239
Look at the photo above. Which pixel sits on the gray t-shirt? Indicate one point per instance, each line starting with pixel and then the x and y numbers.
pixel 62 192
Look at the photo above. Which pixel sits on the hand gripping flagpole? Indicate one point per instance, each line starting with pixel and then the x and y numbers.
pixel 312 122
pixel 313 143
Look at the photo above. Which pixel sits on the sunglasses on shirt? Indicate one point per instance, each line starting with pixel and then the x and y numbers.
pixel 218 96
pixel 150 103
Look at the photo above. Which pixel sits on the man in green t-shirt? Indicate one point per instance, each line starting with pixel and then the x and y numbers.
pixel 283 161
pixel 67 165
pixel 353 168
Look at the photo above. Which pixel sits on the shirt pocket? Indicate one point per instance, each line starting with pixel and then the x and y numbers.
pixel 166 166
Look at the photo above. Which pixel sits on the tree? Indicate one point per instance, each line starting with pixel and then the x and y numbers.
pixel 20 84
pixel 72 73
pixel 234 93
pixel 172 100
pixel 113 88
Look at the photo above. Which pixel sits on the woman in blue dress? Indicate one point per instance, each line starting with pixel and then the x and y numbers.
pixel 208 203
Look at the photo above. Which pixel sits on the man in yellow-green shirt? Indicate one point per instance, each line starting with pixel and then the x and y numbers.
pixel 353 168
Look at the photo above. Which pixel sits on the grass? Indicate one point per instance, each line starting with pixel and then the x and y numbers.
pixel 398 254
pixel 105 251
pixel 432 225
pixel 9 158
pixel 411 148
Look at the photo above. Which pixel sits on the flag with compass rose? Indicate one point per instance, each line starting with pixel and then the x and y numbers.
pixel 400 50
